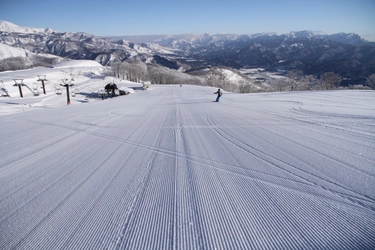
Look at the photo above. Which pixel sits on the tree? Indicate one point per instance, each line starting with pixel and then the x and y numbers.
pixel 307 82
pixel 330 80
pixel 280 84
pixel 370 81
pixel 14 63
pixel 41 61
pixel 116 66
pixel 244 87
pixel 294 77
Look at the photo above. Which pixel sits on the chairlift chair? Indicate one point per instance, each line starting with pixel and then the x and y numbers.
pixel 58 91
pixel 74 92
pixel 35 89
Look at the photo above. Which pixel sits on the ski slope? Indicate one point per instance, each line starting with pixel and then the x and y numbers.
pixel 168 168
pixel 87 78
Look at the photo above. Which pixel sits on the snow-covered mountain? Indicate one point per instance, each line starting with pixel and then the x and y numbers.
pixel 168 40
pixel 346 54
pixel 7 51
pixel 76 45
pixel 13 28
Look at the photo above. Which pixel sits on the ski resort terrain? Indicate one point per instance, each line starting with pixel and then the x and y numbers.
pixel 168 168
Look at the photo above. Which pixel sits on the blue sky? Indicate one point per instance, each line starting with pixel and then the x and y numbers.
pixel 155 17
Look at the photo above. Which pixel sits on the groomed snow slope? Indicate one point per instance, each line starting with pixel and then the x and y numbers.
pixel 87 76
pixel 170 169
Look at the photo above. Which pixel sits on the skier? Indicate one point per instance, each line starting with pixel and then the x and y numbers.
pixel 219 94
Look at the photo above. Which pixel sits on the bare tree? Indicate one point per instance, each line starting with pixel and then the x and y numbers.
pixel 157 74
pixel 370 81
pixel 43 61
pixel 14 63
pixel 244 87
pixel 123 72
pixel 294 77
pixel 116 66
pixel 108 71
pixel 281 84
pixel 307 82
pixel 330 80
pixel 310 81
pixel 135 71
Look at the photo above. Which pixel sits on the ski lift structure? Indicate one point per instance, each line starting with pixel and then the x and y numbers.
pixel 75 92
pixel 4 92
pixel 58 90
pixel 35 89
pixel 19 83
pixel 67 84
pixel 42 78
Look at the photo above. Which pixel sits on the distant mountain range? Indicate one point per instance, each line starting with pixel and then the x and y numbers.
pixel 346 54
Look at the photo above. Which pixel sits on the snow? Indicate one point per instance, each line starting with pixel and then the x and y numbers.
pixel 231 76
pixel 78 63
pixel 10 27
pixel 8 51
pixel 168 168
pixel 88 78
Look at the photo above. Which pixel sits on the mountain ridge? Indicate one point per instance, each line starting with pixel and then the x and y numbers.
pixel 344 53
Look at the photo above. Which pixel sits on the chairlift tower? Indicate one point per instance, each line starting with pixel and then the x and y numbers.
pixel 42 78
pixel 19 83
pixel 67 84
pixel 2 85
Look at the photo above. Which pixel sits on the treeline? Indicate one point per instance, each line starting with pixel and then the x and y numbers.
pixel 19 63
pixel 139 71
pixel 294 80
pixel 15 63
pixel 220 77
